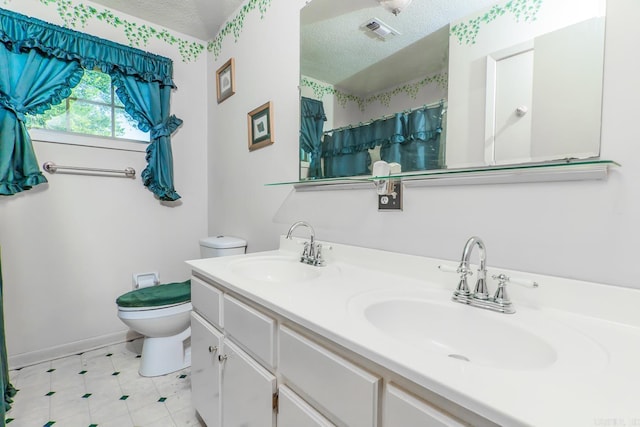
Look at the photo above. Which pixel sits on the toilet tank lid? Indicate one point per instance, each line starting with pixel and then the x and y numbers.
pixel 223 242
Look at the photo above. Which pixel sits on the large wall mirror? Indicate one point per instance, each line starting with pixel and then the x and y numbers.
pixel 448 84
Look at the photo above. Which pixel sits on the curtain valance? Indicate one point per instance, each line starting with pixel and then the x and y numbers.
pixel 41 63
pixel 21 33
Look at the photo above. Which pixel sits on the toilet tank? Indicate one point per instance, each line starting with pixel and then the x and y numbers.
pixel 217 246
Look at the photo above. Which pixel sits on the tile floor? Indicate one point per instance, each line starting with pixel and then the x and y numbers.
pixel 100 388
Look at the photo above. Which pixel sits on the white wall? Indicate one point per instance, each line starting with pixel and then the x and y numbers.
pixel 586 230
pixel 69 247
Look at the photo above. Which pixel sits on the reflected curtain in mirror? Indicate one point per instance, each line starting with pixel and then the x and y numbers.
pixel 311 123
pixel 420 146
pixel 410 138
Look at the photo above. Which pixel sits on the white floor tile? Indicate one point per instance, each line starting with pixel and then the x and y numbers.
pixel 68 403
pixel 148 414
pixel 78 420
pixel 86 392
pixel 115 422
pixel 165 422
pixel 178 402
pixel 186 418
pixel 28 406
pixel 28 420
pixel 102 411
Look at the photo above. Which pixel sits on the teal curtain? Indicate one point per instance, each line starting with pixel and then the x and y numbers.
pixel 29 84
pixel 149 104
pixel 418 146
pixel 312 120
pixel 144 83
pixel 345 152
pixel 411 139
pixel 8 390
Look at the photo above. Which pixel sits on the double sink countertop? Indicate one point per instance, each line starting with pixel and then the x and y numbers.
pixel 568 356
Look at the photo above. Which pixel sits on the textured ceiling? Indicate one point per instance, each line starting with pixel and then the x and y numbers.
pixel 198 18
pixel 336 50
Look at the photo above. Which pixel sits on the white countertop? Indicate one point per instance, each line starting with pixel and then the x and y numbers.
pixel 594 330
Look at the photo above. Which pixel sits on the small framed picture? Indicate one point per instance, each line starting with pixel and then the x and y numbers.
pixel 260 125
pixel 226 80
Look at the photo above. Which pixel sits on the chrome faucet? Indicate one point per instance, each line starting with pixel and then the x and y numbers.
pixel 312 252
pixel 480 295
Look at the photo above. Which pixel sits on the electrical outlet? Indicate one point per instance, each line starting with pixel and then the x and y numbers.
pixel 393 201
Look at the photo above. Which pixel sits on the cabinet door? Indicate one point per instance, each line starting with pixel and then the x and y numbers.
pixel 403 409
pixel 247 390
pixel 205 370
pixel 345 393
pixel 295 412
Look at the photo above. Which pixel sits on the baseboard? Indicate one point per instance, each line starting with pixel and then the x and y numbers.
pixel 34 357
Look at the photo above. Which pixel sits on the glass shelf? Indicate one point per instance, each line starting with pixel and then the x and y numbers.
pixel 526 172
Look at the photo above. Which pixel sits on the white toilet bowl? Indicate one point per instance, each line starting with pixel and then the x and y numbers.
pixel 166 347
pixel 162 314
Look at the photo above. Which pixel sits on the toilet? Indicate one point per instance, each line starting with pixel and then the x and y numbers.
pixel 161 314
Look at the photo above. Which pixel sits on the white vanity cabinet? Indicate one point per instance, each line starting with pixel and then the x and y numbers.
pixel 247 390
pixel 229 387
pixel 260 369
pixel 206 341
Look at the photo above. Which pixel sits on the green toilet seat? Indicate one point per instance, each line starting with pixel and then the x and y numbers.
pixel 156 296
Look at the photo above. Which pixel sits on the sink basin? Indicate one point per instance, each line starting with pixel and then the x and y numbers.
pixel 275 269
pixel 431 322
pixel 461 334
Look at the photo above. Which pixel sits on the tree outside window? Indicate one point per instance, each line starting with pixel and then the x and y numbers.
pixel 92 109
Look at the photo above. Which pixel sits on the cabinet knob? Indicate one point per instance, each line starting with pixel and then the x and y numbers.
pixel 222 358
pixel 213 349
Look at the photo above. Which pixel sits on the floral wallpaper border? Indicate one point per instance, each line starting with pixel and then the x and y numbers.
pixel 77 15
pixel 522 10
pixel 234 26
pixel 410 89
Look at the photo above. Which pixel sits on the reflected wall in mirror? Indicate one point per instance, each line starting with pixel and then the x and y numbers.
pixel 526 89
pixel 450 85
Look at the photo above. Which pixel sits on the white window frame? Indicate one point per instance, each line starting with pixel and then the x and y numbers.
pixel 89 140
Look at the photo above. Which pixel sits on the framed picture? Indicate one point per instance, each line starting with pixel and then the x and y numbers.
pixel 260 125
pixel 226 80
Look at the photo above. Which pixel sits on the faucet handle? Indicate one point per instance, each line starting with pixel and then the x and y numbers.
pixel 318 260
pixel 459 270
pixel 501 298
pixel 305 252
pixel 515 280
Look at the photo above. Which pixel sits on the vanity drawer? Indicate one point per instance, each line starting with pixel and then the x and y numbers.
pixel 345 391
pixel 254 331
pixel 295 412
pixel 206 301
pixel 404 409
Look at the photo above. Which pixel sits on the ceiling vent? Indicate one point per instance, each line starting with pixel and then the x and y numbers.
pixel 376 28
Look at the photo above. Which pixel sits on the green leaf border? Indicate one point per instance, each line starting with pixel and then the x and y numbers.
pixel 410 89
pixel 522 10
pixel 235 25
pixel 77 15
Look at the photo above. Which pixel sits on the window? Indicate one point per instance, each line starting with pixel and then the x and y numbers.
pixel 92 109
